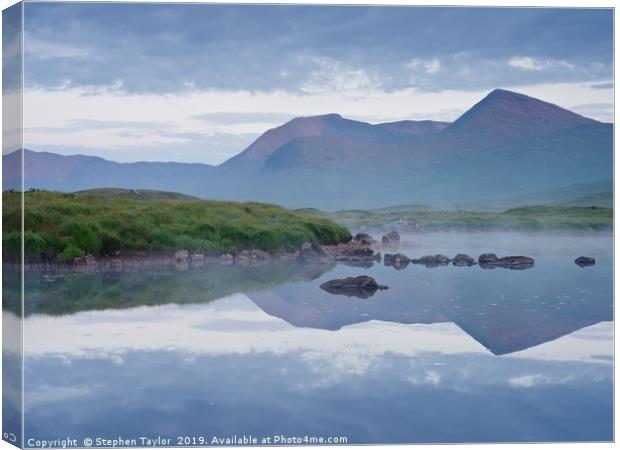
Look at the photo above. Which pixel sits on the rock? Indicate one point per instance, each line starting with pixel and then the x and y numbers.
pixel 463 260
pixel 311 252
pixel 585 261
pixel 363 237
pixel 116 264
pixel 391 238
pixel 181 255
pixel 197 257
pixel 243 255
pixel 227 258
pixel 88 263
pixel 362 286
pixel 487 258
pixel 259 254
pixel 398 260
pixel 491 261
pixel 432 260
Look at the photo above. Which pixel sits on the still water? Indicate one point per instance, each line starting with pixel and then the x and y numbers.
pixel 450 354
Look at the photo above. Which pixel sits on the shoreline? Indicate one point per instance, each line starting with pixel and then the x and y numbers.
pixel 184 260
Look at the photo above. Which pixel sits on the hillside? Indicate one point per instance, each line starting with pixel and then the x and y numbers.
pixel 524 218
pixel 136 194
pixel 576 194
pixel 59 227
pixel 55 172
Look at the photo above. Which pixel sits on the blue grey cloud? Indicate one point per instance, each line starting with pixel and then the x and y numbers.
pixel 159 48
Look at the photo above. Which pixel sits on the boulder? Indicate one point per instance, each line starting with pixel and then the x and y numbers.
pixel 463 260
pixel 259 255
pixel 363 237
pixel 585 261
pixel 391 238
pixel 181 255
pixel 432 260
pixel 491 261
pixel 487 258
pixel 398 260
pixel 243 255
pixel 362 286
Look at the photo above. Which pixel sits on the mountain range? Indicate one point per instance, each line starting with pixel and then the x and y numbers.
pixel 506 146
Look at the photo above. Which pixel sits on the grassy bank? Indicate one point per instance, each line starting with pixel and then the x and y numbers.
pixel 525 218
pixel 62 226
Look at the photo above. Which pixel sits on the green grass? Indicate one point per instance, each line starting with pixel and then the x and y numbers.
pixel 525 218
pixel 61 226
pixel 137 194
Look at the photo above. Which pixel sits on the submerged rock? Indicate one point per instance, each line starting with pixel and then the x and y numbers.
pixel 491 261
pixel 362 286
pixel 585 261
pixel 462 259
pixel 398 260
pixel 432 260
pixel 391 238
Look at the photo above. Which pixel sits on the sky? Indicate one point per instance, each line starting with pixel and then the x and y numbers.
pixel 198 83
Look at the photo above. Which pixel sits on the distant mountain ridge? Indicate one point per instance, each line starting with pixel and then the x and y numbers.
pixel 506 145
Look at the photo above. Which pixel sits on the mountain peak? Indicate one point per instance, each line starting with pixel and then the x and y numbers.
pixel 504 93
pixel 504 114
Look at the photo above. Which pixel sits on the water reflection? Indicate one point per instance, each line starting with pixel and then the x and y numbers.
pixel 264 350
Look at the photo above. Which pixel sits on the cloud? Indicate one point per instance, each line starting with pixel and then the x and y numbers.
pixel 50 50
pixel 168 49
pixel 527 381
pixel 529 63
pixel 430 66
pixel 330 75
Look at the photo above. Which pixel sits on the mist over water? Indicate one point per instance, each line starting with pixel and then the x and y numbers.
pixel 446 354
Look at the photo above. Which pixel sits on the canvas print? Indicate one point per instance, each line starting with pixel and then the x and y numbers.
pixel 232 224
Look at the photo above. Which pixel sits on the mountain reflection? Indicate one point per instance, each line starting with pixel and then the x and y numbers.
pixel 504 311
